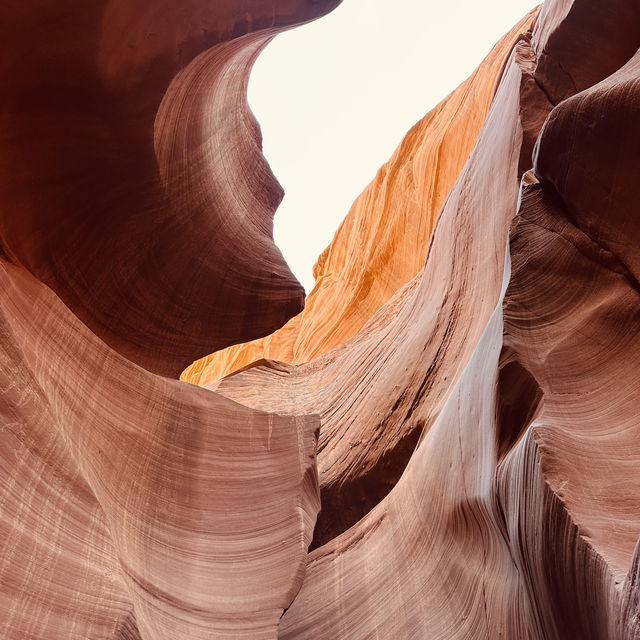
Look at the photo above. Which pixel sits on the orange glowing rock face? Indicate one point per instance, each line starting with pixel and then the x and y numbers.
pixel 383 241
pixel 465 466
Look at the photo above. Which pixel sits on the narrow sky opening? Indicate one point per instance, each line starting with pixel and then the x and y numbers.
pixel 335 97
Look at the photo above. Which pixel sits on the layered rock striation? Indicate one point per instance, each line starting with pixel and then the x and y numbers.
pixel 113 156
pixel 135 235
pixel 382 242
pixel 477 465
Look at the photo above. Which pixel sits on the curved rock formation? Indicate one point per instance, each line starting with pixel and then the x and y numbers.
pixel 135 202
pixel 382 242
pixel 478 460
pixel 517 516
pixel 112 155
pixel 131 500
pixel 389 383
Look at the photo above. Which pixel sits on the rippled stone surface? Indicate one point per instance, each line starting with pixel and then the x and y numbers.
pixel 382 242
pixel 478 461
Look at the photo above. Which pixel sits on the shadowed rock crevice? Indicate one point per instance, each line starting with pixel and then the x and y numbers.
pixel 343 506
pixel 519 397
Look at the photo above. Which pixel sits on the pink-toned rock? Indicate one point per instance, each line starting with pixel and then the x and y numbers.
pixel 377 393
pixel 135 235
pixel 146 210
pixel 478 459
pixel 132 500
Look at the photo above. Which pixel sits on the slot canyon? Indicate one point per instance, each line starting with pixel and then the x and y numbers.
pixel 441 442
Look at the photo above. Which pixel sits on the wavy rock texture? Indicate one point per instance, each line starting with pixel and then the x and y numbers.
pixel 133 505
pixel 527 511
pixel 478 456
pixel 130 499
pixel 382 242
pixel 377 393
pixel 114 157
pixel 517 515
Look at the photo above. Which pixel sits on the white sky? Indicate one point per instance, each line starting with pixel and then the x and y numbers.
pixel 335 97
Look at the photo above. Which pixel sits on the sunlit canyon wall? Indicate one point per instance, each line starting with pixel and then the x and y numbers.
pixel 451 424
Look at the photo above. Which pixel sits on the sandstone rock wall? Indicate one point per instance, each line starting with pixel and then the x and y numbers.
pixel 135 235
pixel 474 446
pixel 113 156
pixel 382 242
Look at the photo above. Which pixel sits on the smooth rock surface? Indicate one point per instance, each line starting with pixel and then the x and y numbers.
pixel 382 242
pixel 478 458
pixel 131 497
pixel 145 210
pixel 133 505
pixel 377 393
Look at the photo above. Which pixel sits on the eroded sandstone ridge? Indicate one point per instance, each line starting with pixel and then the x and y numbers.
pixel 382 242
pixel 478 462
pixel 135 233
